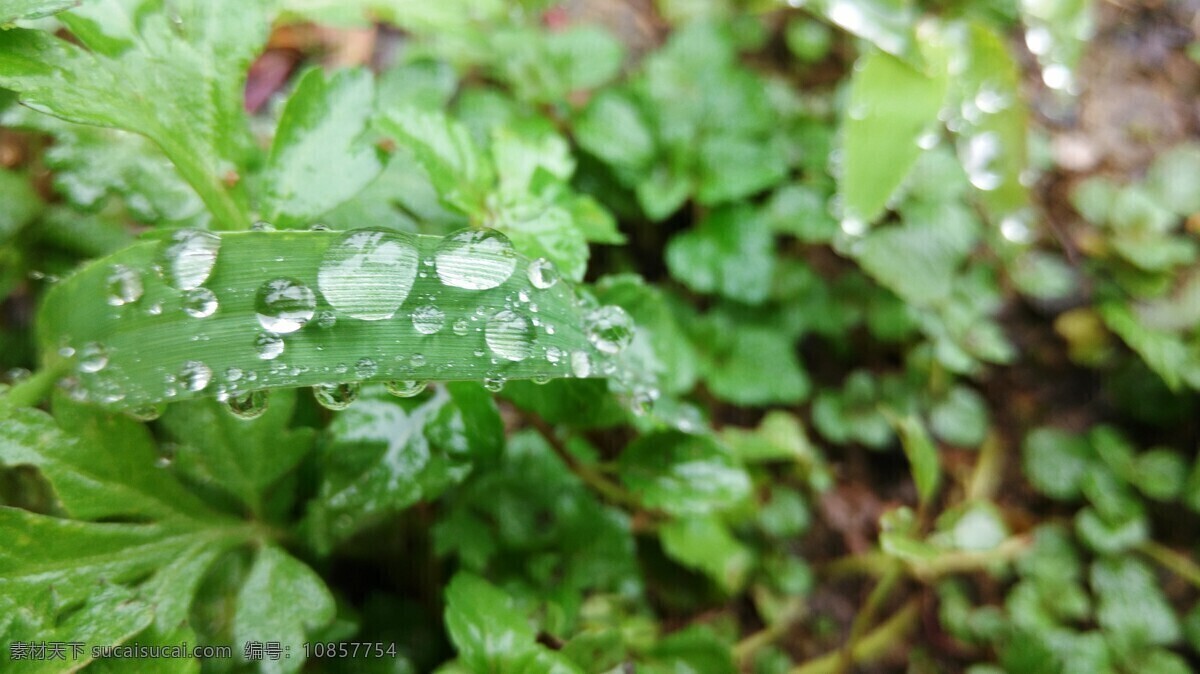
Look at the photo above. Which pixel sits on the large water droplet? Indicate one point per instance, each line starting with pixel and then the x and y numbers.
pixel 336 396
pixel 476 259
pixel 428 319
pixel 194 375
pixel 268 345
pixel 248 405
pixel 284 305
pixel 368 273
pixel 124 285
pixel 405 388
pixel 542 273
pixel 509 335
pixel 199 303
pixel 93 357
pixel 188 258
pixel 609 329
pixel 365 368
pixel 581 364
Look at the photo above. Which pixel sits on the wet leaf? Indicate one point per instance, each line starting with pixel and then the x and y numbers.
pixel 683 474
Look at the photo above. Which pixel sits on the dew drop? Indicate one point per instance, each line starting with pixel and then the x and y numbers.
pixel 195 375
pixel 336 396
pixel 509 335
pixel 428 319
pixel 368 273
pixel 542 273
pixel 609 329
pixel 417 360
pixel 461 326
pixel 405 388
pixel 284 305
pixel 268 345
pixel 248 405
pixel 365 368
pixel 581 364
pixel 199 303
pixel 326 319
pixel 475 259
pixel 124 285
pixel 494 384
pixel 318 227
pixel 93 357
pixel 981 160
pixel 188 259
pixel 262 226
pixel 541 379
pixel 233 374
pixel 554 354
pixel 155 309
pixel 148 412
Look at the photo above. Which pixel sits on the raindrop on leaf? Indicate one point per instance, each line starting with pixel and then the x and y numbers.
pixel 248 405
pixel 428 319
pixel 284 305
pixel 405 388
pixel 124 285
pixel 195 375
pixel 268 345
pixel 475 259
pixel 93 357
pixel 337 396
pixel 368 273
pixel 188 258
pixel 199 303
pixel 509 335
pixel 609 329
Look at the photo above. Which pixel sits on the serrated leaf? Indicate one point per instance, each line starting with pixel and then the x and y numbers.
pixel 321 156
pixel 283 601
pixel 1132 608
pixel 683 474
pixel 223 352
pixel 544 66
pixel 458 169
pixel 890 106
pixel 1056 462
pixel 384 454
pixel 729 252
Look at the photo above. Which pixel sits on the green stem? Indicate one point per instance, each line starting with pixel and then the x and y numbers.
pixel 611 491
pixel 954 561
pixel 872 646
pixel 1178 563
pixel 747 647
pixel 227 215
pixel 33 389
pixel 879 595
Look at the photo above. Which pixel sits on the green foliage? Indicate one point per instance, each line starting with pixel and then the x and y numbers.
pixel 634 346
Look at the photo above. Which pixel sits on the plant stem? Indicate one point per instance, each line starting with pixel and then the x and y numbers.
pixel 748 646
pixel 1178 563
pixel 610 490
pixel 985 479
pixel 32 390
pixel 952 561
pixel 872 646
pixel 879 594
pixel 227 215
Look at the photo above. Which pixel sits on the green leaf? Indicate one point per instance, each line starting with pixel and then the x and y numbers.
pixel 1056 462
pixel 321 156
pixel 544 66
pixel 1163 352
pixel 694 649
pixel 142 77
pixel 243 457
pixel 13 10
pixel 21 203
pixel 916 261
pixel 577 403
pixel 1043 275
pixel 760 367
pixel 541 230
pixel 730 252
pixel 384 454
pixel 1160 474
pixel 284 601
pixel 891 105
pixel 613 129
pixel 961 418
pixel 1170 176
pixel 922 455
pixel 1132 608
pixel 705 544
pixel 443 146
pixel 732 167
pixel 683 474
pixel 887 24
pixel 801 211
pixel 212 339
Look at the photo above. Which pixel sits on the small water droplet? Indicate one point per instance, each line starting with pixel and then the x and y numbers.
pixel 542 273
pixel 155 309
pixel 262 226
pixel 199 303
pixel 188 259
pixel 284 305
pixel 326 319
pixel 495 384
pixel 581 364
pixel 336 396
pixel 509 335
pixel 268 345
pixel 365 368
pixel 417 360
pixel 981 160
pixel 428 319
pixel 318 227
pixel 541 379
pixel 609 329
pixel 124 285
pixel 475 259
pixel 368 273
pixel 854 226
pixel 461 327
pixel 928 140
pixel 148 412
pixel 233 374
pixel 248 405
pixel 195 375
pixel 554 354
pixel 1058 77
pixel 405 388
pixel 93 357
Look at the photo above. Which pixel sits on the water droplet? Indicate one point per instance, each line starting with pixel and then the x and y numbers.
pixel 233 374
pixel 336 396
pixel 93 357
pixel 542 273
pixel 148 412
pixel 195 375
pixel 326 319
pixel 475 259
pixel 155 309
pixel 199 303
pixel 124 285
pixel 494 384
pixel 990 100
pixel 609 329
pixel 1039 40
pixel 1016 229
pixel 854 226
pixel 368 273
pixel 554 354
pixel 417 360
pixel 428 319
pixel 581 364
pixel 461 327
pixel 365 368
pixel 541 379
pixel 188 259
pixel 1058 77
pixel 262 226
pixel 248 405
pixel 318 227
pixel 269 345
pixel 284 305
pixel 981 160
pixel 405 388
pixel 509 335
pixel 928 140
